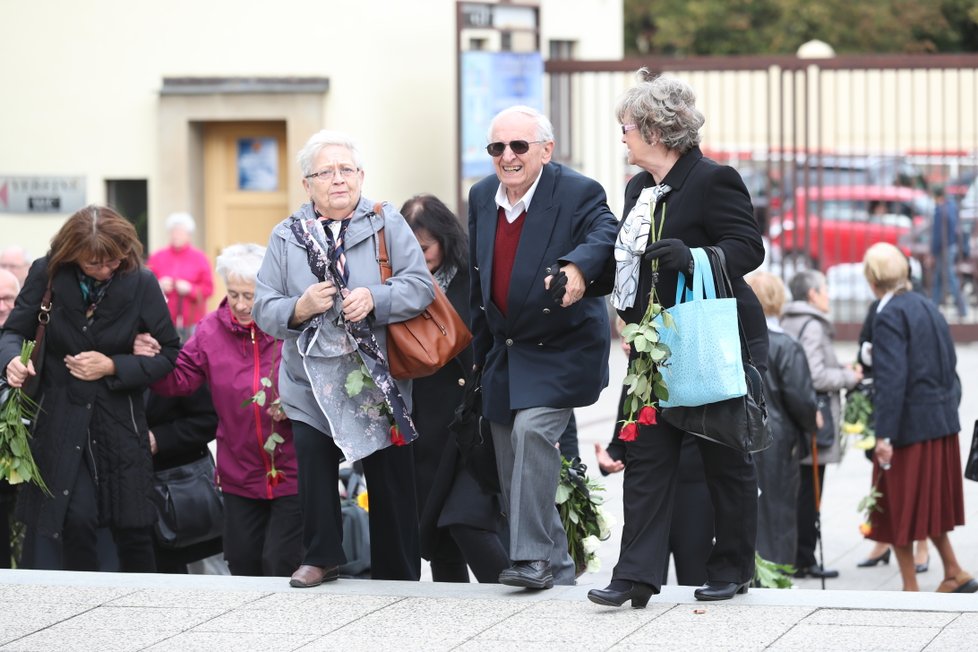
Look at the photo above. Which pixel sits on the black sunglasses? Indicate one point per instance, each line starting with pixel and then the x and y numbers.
pixel 518 147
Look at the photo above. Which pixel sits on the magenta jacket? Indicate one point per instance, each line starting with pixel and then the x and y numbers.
pixel 233 358
pixel 190 264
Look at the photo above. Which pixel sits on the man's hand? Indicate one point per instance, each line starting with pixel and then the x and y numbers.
pixel 90 365
pixel 357 304
pixel 317 299
pixel 146 345
pixel 606 463
pixel 671 253
pixel 567 286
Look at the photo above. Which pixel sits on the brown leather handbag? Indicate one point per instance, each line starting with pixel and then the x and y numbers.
pixel 423 344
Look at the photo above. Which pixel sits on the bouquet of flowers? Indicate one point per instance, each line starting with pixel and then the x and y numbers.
pixel 17 413
pixel 858 416
pixel 585 522
pixel 644 380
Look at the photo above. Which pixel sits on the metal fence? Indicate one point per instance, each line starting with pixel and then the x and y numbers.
pixel 837 153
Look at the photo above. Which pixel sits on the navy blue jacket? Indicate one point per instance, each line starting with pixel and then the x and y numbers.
pixel 917 394
pixel 540 354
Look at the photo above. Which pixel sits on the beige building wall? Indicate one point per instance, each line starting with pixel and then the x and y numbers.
pixel 81 90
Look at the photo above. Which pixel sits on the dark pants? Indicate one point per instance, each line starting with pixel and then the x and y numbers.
pixel 262 537
pixel 483 550
pixel 807 530
pixel 79 535
pixel 394 540
pixel 650 486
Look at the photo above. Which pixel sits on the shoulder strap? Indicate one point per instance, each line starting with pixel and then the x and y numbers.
pixel 804 326
pixel 43 317
pixel 724 290
pixel 383 259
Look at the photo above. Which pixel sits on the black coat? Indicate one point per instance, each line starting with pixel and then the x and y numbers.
pixel 707 206
pixel 533 355
pixel 439 475
pixel 791 410
pixel 104 419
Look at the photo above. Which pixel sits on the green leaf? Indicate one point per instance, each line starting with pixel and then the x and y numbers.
pixel 277 438
pixel 668 321
pixel 260 398
pixel 661 391
pixel 574 517
pixel 354 383
pixel 629 332
pixel 658 354
pixel 266 381
pixel 640 343
pixel 563 494
pixel 772 576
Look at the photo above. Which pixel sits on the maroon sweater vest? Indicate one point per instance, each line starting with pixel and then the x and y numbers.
pixel 503 257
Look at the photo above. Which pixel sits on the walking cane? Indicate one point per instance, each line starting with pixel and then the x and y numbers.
pixel 818 509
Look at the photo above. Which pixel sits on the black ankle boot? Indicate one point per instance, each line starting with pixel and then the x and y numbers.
pixel 620 591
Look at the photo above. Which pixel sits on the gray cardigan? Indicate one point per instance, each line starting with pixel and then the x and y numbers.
pixel 828 375
pixel 285 275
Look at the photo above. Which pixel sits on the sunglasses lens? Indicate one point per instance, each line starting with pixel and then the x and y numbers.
pixel 496 149
pixel 519 146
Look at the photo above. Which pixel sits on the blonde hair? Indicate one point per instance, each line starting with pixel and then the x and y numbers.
pixel 886 268
pixel 770 292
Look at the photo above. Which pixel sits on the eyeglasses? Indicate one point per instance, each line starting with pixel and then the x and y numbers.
pixel 626 128
pixel 518 147
pixel 99 266
pixel 327 175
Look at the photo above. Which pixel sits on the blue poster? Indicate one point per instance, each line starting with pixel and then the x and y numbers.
pixel 258 164
pixel 492 81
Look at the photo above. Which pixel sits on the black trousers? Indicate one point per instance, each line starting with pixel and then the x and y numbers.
pixel 807 530
pixel 79 534
pixel 650 486
pixel 262 538
pixel 395 549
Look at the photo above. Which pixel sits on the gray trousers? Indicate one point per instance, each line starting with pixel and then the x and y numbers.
pixel 529 470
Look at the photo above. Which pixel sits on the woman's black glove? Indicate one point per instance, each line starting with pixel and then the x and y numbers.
pixel 672 254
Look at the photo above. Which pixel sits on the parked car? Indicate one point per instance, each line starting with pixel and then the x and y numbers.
pixel 830 225
pixel 855 170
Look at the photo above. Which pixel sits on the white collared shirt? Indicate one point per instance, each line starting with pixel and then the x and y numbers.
pixel 513 211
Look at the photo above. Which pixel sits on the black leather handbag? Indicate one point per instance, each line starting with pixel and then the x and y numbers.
pixel 740 422
pixel 971 465
pixel 189 505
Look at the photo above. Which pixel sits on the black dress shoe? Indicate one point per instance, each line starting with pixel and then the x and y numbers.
pixel 872 561
pixel 922 568
pixel 816 571
pixel 619 592
pixel 528 574
pixel 719 590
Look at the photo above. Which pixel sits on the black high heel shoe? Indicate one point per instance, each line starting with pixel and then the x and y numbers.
pixel 922 568
pixel 872 561
pixel 611 596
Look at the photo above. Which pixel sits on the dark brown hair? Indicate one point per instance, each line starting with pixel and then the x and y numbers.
pixel 95 234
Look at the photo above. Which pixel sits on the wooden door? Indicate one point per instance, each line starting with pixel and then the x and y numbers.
pixel 245 185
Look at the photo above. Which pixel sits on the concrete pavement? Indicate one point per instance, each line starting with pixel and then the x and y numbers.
pixel 861 610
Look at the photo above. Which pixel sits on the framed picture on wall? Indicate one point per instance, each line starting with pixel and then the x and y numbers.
pixel 258 164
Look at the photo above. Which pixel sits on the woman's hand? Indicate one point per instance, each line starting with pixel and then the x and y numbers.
pixel 357 304
pixel 17 372
pixel 146 345
pixel 317 299
pixel 90 365
pixel 884 453
pixel 606 462
pixel 183 287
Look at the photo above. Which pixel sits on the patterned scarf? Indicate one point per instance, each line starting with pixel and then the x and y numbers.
pixel 633 238
pixel 322 263
pixel 93 291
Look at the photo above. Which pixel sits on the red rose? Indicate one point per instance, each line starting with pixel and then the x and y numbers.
pixel 629 432
pixel 646 416
pixel 275 477
pixel 396 437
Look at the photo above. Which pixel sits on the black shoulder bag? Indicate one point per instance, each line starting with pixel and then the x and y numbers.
pixel 740 422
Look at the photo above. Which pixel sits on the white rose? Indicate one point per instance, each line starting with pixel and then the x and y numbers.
pixel 590 544
pixel 593 564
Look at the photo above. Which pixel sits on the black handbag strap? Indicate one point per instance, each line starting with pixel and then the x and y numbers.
pixel 43 317
pixel 721 279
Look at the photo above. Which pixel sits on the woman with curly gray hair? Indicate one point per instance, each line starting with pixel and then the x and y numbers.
pixel 679 200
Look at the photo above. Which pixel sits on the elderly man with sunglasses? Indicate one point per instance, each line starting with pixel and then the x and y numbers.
pixel 540 235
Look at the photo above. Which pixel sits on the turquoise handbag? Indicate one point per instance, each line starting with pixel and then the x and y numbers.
pixel 706 364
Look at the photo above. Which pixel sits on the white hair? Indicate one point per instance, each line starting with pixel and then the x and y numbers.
pixel 186 220
pixel 321 140
pixel 545 130
pixel 240 261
